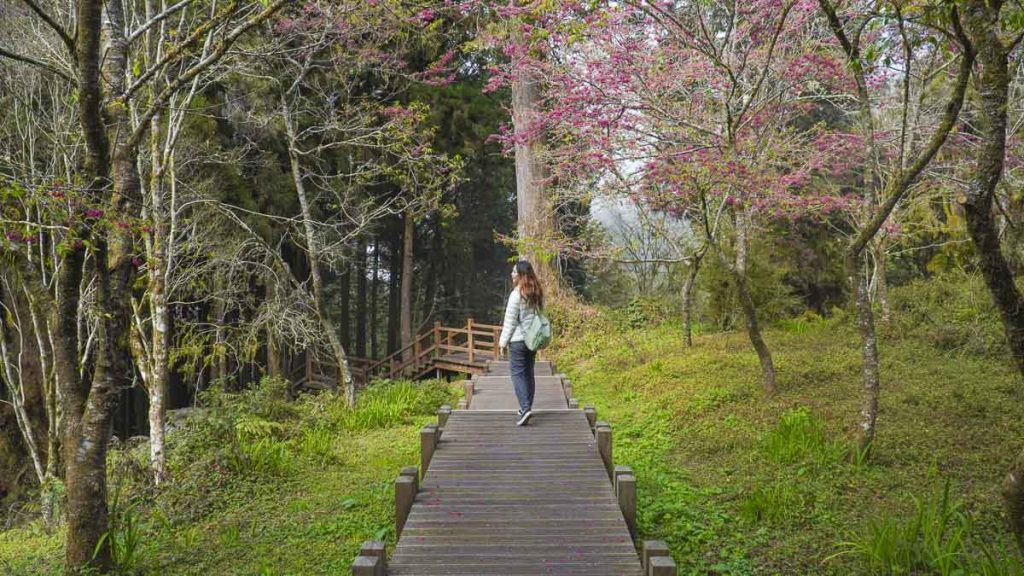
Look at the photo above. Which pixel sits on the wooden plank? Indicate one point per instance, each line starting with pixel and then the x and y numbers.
pixel 502 499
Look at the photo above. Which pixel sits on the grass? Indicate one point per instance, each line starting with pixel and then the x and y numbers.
pixel 736 483
pixel 259 486
pixel 742 484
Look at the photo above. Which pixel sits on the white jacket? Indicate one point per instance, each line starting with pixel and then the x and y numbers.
pixel 517 314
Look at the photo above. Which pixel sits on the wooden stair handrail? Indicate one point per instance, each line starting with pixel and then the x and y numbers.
pixel 474 339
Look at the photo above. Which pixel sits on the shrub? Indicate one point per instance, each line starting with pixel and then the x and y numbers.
pixel 384 403
pixel 953 312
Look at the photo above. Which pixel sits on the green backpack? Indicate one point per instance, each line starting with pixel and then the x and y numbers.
pixel 538 331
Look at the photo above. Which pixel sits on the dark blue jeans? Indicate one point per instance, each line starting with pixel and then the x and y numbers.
pixel 520 366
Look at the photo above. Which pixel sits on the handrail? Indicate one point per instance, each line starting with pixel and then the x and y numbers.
pixel 475 340
pixel 432 343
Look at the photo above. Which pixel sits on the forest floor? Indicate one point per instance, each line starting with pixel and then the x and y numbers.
pixel 742 484
pixel 265 487
pixel 735 482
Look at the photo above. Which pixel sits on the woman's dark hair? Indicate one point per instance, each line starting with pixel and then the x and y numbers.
pixel 529 285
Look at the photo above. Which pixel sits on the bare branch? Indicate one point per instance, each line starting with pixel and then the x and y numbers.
pixel 157 19
pixel 37 63
pixel 218 52
pixel 69 42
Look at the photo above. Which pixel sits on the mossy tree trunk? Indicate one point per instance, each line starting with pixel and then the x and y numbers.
pixel 983 22
pixel 764 355
pixel 688 288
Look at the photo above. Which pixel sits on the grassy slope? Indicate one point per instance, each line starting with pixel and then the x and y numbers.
pixel 695 427
pixel 308 518
pixel 691 422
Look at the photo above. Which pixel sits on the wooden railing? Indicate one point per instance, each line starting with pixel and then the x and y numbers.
pixel 439 347
pixel 472 344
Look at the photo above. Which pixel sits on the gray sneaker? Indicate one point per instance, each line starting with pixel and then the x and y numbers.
pixel 524 417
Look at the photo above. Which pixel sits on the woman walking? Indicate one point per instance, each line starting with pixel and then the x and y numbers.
pixel 525 301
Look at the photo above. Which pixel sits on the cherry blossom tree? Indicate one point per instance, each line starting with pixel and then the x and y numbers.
pixel 695 108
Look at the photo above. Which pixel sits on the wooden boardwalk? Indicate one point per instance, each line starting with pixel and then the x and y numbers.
pixel 502 499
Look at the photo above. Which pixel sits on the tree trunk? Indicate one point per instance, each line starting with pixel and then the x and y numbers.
pixel 275 357
pixel 48 496
pixel 11 353
pixel 880 280
pixel 394 276
pixel 346 307
pixel 87 410
pixel 870 363
pixel 160 337
pixel 219 364
pixel 764 355
pixel 374 289
pixel 361 297
pixel 406 304
pixel 982 20
pixel 1013 495
pixel 313 249
pixel 159 265
pixel 688 286
pixel 535 224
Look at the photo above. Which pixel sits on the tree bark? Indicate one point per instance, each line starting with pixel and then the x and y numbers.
pixel 764 355
pixel 535 224
pixel 160 337
pixel 869 359
pixel 982 21
pixel 53 470
pixel 1013 495
pixel 394 276
pixel 688 286
pixel 374 290
pixel 313 249
pixel 880 280
pixel 361 296
pixel 346 307
pixel 88 410
pixel 406 303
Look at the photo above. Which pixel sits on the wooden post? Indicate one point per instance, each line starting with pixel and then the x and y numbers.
pixel 662 566
pixel 462 405
pixel 428 441
pixel 652 549
pixel 375 549
pixel 437 433
pixel 574 404
pixel 437 340
pixel 621 471
pixel 625 492
pixel 442 415
pixel 567 387
pixel 604 446
pixel 414 473
pixel 468 387
pixel 591 414
pixel 405 494
pixel 367 566
pixel 416 350
pixel 497 338
pixel 469 329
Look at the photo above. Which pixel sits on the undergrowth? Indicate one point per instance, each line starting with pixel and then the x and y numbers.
pixel 259 484
pixel 737 483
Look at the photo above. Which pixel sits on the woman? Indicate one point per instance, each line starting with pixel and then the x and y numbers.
pixel 526 299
